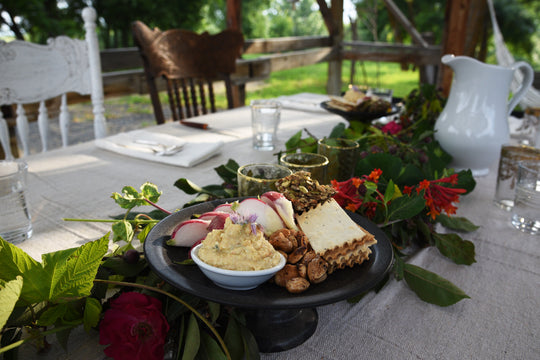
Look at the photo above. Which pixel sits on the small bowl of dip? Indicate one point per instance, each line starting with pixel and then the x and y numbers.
pixel 236 279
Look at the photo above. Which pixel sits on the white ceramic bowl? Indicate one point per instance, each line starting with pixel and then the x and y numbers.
pixel 233 279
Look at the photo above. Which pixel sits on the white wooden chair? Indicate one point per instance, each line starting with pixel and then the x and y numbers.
pixel 31 73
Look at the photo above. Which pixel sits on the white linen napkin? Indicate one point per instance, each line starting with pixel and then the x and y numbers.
pixel 304 102
pixel 191 154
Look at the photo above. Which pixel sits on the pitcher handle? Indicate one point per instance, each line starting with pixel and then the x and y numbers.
pixel 528 76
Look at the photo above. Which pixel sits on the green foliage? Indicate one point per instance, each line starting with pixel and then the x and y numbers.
pixel 9 294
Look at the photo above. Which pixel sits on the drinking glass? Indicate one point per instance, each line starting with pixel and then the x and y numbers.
pixel 316 164
pixel 507 174
pixel 256 179
pixel 342 155
pixel 265 117
pixel 15 221
pixel 526 210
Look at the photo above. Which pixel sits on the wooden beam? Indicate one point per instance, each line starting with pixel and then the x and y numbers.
pixel 402 19
pixel 274 45
pixel 414 54
pixel 234 14
pixel 327 17
pixel 455 32
pixel 333 85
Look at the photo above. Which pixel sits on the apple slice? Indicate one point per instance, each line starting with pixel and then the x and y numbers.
pixel 266 216
pixel 188 232
pixel 282 206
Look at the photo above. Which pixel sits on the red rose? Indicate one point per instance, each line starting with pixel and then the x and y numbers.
pixel 134 327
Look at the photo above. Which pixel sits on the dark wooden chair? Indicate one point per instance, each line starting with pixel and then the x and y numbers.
pixel 189 63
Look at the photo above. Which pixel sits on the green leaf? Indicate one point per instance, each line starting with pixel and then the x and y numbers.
pixel 214 309
pixel 210 349
pixel 121 267
pixel 9 294
pixel 131 198
pixel 432 288
pixel 228 171
pixel 15 262
pixel 456 223
pixel 72 274
pixel 187 186
pixel 337 131
pixel 122 231
pixel 389 193
pixel 52 315
pixel 466 181
pixel 405 207
pixel 294 141
pixel 233 339
pixel 193 339
pixel 455 248
pixel 150 192
pixel 63 338
pixel 92 312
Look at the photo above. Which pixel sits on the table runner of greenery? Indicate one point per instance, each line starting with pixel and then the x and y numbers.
pixel 401 182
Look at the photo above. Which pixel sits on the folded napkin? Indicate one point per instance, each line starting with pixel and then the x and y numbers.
pixel 304 102
pixel 191 154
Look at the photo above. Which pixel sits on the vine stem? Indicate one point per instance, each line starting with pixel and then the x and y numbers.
pixel 42 334
pixel 157 206
pixel 112 220
pixel 192 309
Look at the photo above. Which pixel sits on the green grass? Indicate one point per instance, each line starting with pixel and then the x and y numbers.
pixel 310 78
pixel 313 79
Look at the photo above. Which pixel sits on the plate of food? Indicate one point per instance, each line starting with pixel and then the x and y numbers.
pixel 345 268
pixel 356 105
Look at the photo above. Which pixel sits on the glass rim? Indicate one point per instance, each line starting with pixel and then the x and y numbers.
pixel 320 156
pixel 265 103
pixel 355 146
pixel 251 178
pixel 22 166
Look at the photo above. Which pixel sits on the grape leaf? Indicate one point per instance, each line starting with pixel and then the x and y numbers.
pixel 432 288
pixel 72 273
pixel 92 312
pixel 14 262
pixel 9 294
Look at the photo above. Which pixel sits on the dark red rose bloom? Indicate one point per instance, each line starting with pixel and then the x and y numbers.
pixel 392 128
pixel 135 328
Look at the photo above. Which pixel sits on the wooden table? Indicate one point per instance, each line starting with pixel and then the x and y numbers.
pixel 500 321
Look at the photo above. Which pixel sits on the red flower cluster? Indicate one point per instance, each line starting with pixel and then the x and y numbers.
pixel 350 193
pixel 134 327
pixel 392 128
pixel 439 198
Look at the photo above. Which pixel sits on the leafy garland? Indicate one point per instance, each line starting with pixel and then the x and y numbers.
pixel 401 182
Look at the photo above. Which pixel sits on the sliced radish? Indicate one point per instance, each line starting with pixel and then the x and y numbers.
pixel 282 206
pixel 266 216
pixel 188 232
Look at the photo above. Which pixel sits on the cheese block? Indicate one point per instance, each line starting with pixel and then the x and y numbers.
pixel 335 236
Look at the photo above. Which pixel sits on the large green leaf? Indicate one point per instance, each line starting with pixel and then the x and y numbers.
pixel 15 262
pixel 92 312
pixel 187 186
pixel 233 339
pixel 455 248
pixel 405 207
pixel 432 288
pixel 210 349
pixel 193 339
pixel 72 274
pixel 456 223
pixel 9 294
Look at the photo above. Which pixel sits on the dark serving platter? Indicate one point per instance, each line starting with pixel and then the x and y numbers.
pixel 360 115
pixel 340 285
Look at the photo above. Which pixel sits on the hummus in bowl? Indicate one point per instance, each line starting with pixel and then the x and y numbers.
pixel 237 257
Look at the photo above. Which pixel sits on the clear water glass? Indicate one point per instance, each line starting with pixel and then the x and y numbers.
pixel 526 210
pixel 15 220
pixel 265 117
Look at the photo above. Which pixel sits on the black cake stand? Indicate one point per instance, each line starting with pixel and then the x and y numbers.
pixel 278 320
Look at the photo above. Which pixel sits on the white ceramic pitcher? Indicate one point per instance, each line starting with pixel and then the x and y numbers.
pixel 474 123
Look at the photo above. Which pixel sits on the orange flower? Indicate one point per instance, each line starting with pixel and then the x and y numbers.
pixel 440 198
pixel 375 175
